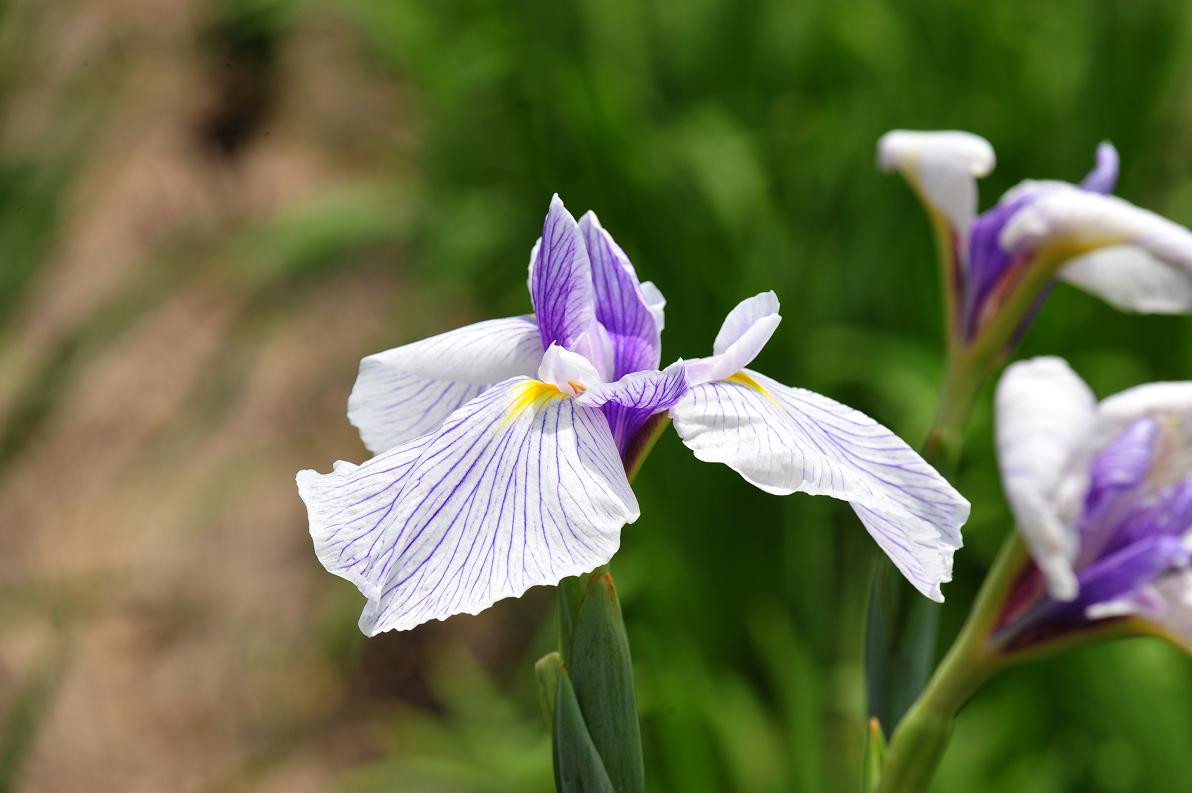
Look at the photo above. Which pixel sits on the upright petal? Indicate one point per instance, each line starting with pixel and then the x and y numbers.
pixel 622 306
pixel 784 440
pixel 655 302
pixel 632 400
pixel 409 390
pixel 1132 258
pixel 943 168
pixel 1104 175
pixel 742 336
pixel 1045 417
pixel 519 487
pixel 561 279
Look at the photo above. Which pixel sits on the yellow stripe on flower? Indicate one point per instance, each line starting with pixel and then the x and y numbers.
pixel 531 395
pixel 748 382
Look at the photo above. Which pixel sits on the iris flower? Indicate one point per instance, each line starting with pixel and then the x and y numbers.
pixel 502 447
pixel 1000 264
pixel 1102 493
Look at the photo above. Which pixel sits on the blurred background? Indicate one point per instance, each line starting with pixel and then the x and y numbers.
pixel 210 211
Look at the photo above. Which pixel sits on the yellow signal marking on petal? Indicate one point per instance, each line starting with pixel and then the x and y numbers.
pixel 748 382
pixel 531 395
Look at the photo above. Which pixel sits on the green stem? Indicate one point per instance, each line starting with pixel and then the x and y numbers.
pixel 902 626
pixel 919 742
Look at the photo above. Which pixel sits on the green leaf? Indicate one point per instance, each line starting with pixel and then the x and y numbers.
pixel 546 671
pixel 875 756
pixel 595 652
pixel 578 767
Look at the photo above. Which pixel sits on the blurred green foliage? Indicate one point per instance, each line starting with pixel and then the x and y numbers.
pixel 729 148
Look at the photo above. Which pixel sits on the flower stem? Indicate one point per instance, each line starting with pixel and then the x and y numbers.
pixel 919 742
pixel 902 626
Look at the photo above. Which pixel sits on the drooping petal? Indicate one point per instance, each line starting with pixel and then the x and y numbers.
pixel 1104 175
pixel 622 306
pixel 569 371
pixel 632 400
pixel 742 336
pixel 409 390
pixel 561 279
pixel 1115 250
pixel 519 487
pixel 942 167
pixel 786 440
pixel 1045 417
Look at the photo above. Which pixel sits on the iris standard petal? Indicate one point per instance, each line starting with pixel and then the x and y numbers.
pixel 1103 178
pixel 561 279
pixel 1045 418
pixel 1064 223
pixel 409 390
pixel 632 400
pixel 655 302
pixel 519 487
pixel 621 305
pixel 942 167
pixel 784 440
pixel 744 316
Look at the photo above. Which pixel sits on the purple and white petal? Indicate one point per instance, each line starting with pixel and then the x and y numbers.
pixel 1171 402
pixel 407 391
pixel 742 336
pixel 632 400
pixel 622 307
pixel 1165 603
pixel 1045 417
pixel 786 440
pixel 561 279
pixel 943 168
pixel 1065 222
pixel 520 487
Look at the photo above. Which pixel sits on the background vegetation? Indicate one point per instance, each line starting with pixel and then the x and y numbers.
pixel 209 211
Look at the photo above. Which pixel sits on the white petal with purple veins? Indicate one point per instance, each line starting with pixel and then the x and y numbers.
pixel 655 302
pixel 785 439
pixel 407 391
pixel 1046 416
pixel 942 167
pixel 520 487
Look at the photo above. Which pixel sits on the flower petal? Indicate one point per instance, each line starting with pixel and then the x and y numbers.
pixel 569 371
pixel 519 487
pixel 742 336
pixel 409 390
pixel 655 302
pixel 942 167
pixel 784 440
pixel 561 279
pixel 621 304
pixel 1166 604
pixel 1045 416
pixel 632 400
pixel 1131 279
pixel 1065 222
pixel 1104 175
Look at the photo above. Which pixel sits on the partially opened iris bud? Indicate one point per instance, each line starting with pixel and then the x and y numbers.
pixel 999 265
pixel 1102 494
